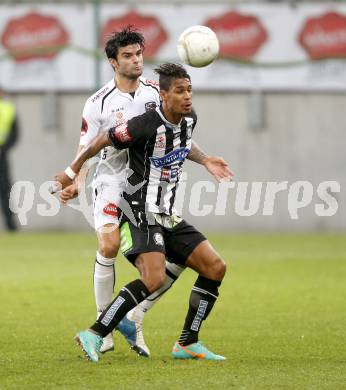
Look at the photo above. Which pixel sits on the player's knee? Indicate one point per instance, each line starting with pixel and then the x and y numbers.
pixel 219 269
pixel 108 249
pixel 154 282
pixel 158 282
pixel 108 240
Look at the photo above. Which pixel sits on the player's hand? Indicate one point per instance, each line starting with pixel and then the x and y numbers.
pixel 63 179
pixel 69 193
pixel 218 167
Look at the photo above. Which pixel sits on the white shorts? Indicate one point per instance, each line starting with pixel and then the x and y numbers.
pixel 106 200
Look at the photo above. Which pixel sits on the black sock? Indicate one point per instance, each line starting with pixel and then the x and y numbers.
pixel 129 297
pixel 203 296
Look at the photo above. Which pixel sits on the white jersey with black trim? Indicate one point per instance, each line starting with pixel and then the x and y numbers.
pixel 110 107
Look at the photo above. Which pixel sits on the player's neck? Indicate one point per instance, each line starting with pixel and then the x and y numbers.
pixel 172 117
pixel 125 84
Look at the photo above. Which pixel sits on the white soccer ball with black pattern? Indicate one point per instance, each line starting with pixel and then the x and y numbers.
pixel 198 46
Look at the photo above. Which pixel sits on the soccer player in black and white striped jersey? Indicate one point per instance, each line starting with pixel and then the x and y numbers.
pixel 158 143
pixel 126 95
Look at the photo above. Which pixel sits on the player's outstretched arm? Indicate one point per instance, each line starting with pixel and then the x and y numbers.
pixel 66 178
pixel 217 166
pixel 72 191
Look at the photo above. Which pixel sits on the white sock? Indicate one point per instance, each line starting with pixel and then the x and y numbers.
pixel 104 280
pixel 172 273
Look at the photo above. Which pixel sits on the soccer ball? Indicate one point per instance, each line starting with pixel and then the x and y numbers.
pixel 198 46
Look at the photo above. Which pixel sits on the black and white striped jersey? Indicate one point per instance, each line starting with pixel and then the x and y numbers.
pixel 157 150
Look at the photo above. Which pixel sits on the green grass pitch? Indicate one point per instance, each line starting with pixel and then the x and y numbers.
pixel 280 319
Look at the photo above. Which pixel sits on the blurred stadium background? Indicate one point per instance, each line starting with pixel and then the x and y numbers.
pixel 272 105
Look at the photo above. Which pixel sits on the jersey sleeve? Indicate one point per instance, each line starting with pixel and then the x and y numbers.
pixel 191 118
pixel 194 117
pixel 135 131
pixel 194 124
pixel 91 123
pixel 158 99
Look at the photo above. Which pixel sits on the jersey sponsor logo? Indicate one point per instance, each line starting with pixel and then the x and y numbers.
pixel 122 133
pixel 170 175
pixel 160 142
pixel 84 128
pixel 171 158
pixel 111 209
pixel 100 94
pixel 119 115
pixel 165 174
pixel 175 173
pixel 158 239
pixel 152 82
pixel 150 106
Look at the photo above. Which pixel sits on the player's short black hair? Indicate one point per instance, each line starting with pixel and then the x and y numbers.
pixel 168 72
pixel 128 36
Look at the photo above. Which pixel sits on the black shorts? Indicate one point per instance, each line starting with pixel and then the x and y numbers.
pixel 175 243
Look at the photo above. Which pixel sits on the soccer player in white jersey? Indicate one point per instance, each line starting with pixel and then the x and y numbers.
pixel 125 96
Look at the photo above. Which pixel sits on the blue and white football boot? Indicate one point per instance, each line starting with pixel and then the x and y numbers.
pixel 132 331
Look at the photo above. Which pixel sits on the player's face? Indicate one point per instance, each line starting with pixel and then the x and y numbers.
pixel 129 62
pixel 178 98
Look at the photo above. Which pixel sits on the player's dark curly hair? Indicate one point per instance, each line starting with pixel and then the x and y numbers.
pixel 168 72
pixel 128 36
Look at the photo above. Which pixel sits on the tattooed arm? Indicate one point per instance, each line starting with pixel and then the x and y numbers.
pixel 217 166
pixel 196 154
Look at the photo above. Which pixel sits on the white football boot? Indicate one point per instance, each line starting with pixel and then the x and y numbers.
pixel 132 331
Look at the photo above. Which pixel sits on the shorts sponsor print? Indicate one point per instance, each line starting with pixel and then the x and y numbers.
pixel 111 209
pixel 106 199
pixel 126 242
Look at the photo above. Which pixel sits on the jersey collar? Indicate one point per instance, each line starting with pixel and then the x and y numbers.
pixel 159 111
pixel 127 94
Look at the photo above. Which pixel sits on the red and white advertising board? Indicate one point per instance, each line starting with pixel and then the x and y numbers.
pixel 262 46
